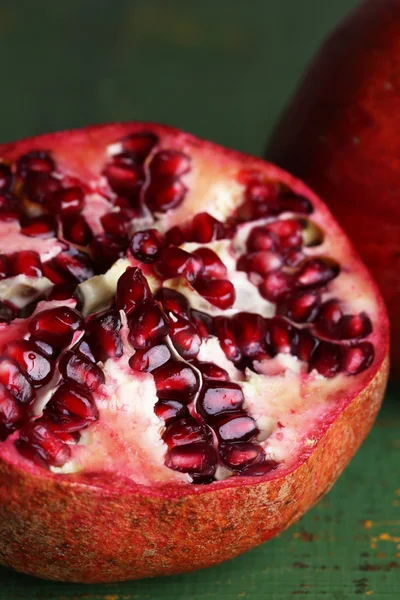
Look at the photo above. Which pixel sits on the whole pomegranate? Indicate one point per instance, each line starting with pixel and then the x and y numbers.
pixel 341 134
pixel 190 352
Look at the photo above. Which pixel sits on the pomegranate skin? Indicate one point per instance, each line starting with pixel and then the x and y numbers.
pixel 341 134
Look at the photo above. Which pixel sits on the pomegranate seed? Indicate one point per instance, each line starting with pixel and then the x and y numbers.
pixel 4 267
pixel 85 350
pixel 212 371
pixel 38 161
pixel 40 187
pixel 329 316
pixel 195 459
pixel 69 201
pixel 203 323
pixel 15 381
pixel 107 249
pixel 139 145
pixel 46 349
pixel 38 443
pixel 175 380
pixel 43 227
pixel 262 198
pixel 146 245
pixel 240 456
pixel 165 194
pixel 301 307
pixel 72 407
pixel 225 331
pixel 132 290
pixel 11 413
pixel 71 265
pixel 286 232
pixel 148 360
pixel 259 470
pixel 356 359
pixel 170 163
pixel 36 366
pixel 259 239
pixel 250 333
pixel 261 262
pixel 77 368
pixel 124 176
pixel 291 202
pixel 174 237
pixel 303 344
pixel 354 326
pixel 214 268
pixel 56 326
pixel 53 273
pixel 6 177
pixel 115 223
pixel 316 272
pixel 103 337
pixel 26 262
pixel 175 262
pixel 62 291
pixel 236 428
pixel 185 431
pixel 68 437
pixel 279 336
pixel 76 230
pixel 325 359
pixel 205 228
pixel 218 292
pixel 173 301
pixel 293 257
pixel 170 410
pixel 184 336
pixel 7 312
pixel 147 324
pixel 216 398
pixel 275 285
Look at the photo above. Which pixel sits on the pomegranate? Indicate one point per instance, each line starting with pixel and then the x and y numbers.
pixel 209 352
pixel 341 134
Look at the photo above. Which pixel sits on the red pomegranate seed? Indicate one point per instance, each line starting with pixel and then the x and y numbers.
pixel 174 237
pixel 56 326
pixel 40 187
pixel 218 292
pixel 275 285
pixel 261 262
pixel 69 201
pixel 53 273
pixel 4 267
pixel 325 359
pixel 301 307
pixel 205 228
pixel 148 360
pixel 6 177
pixel 185 431
pixel 72 406
pixel 77 368
pixel 329 316
pixel 68 437
pixel 169 410
pixel 316 272
pixel 15 381
pixel 173 301
pixel 195 459
pixel 38 443
pixel 279 336
pixel 38 161
pixel 146 245
pixel 216 398
pixel 147 325
pixel 132 290
pixel 184 336
pixel 286 232
pixel 62 291
pixel 36 366
pixel 139 145
pixel 242 455
pixel 85 350
pixel 7 312
pixel 354 326
pixel 76 230
pixel 250 333
pixel 295 203
pixel 46 349
pixel 102 335
pixel 164 194
pixel 176 380
pixel 236 428
pixel 71 265
pixel 262 198
pixel 214 268
pixel 303 344
pixel 26 262
pixel 203 322
pixel 11 413
pixel 293 257
pixel 43 227
pixel 259 470
pixel 225 331
pixel 170 163
pixel 356 359
pixel 107 249
pixel 124 176
pixel 212 371
pixel 175 262
pixel 115 223
pixel 259 239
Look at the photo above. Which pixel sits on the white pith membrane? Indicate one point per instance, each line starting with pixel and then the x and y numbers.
pixel 291 406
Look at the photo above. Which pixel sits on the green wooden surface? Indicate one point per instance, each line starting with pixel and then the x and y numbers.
pixel 222 69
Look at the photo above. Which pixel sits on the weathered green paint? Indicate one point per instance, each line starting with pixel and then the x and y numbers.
pixel 222 70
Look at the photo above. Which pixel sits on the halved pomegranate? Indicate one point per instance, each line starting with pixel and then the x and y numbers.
pixel 190 349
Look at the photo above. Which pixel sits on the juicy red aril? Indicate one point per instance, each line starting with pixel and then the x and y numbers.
pixel 43 227
pixel 38 443
pixel 4 267
pixel 240 456
pixel 72 406
pixel 56 326
pixel 355 359
pixel 40 187
pixel 69 201
pixel 7 312
pixel 218 292
pixel 216 398
pixel 354 326
pixel 148 360
pixel 173 301
pixel 295 203
pixel 250 333
pixel 214 268
pixel 261 262
pixel 146 245
pixel 85 350
pixel 195 459
pixel 68 437
pixel 62 291
pixel 203 322
pixel 107 249
pixel 175 262
pixel 170 410
pixel 329 316
pixel 174 236
pixel 124 176
pixel 71 265
pixel 102 332
pixel 132 289
pixel 38 161
pixel 115 223
pixel 170 163
pixel 139 145
pixel 185 431
pixel 212 371
pixel 147 325
pixel 77 368
pixel 225 331
pixel 300 307
pixel 236 428
pixel 316 272
pixel 176 380
pixel 279 336
pixel 259 239
pixel 259 469
pixel 205 228
pixel 76 230
pixel 11 413
pixel 6 177
pixel 275 285
pixel 293 257
pixel 286 232
pixel 184 336
pixel 164 194
pixel 325 359
pixel 303 344
pixel 36 366
pixel 12 377
pixel 46 349
pixel 26 262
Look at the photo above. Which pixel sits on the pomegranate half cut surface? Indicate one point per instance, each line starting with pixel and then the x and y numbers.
pixel 190 352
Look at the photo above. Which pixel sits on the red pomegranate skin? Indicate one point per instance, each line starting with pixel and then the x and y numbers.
pixel 341 134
